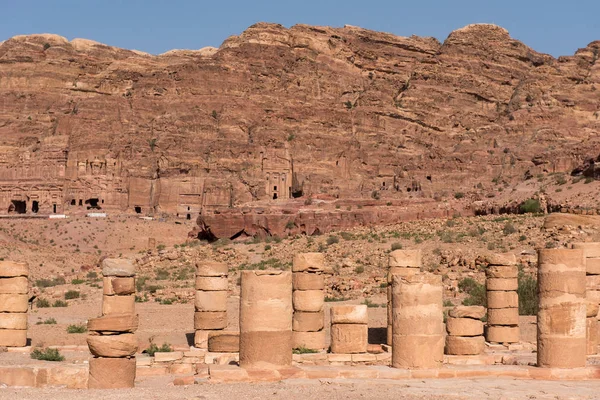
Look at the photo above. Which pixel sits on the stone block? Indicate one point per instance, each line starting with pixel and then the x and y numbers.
pixel 308 321
pixel 265 350
pixel 168 356
pixel 464 327
pixel 208 320
pixel 114 323
pixel 464 346
pixel 227 373
pixel 13 337
pixel 212 283
pixel 17 376
pixel 211 268
pixel 592 335
pixel 503 316
pixel 502 272
pixel 118 305
pixel 417 351
pixel 118 286
pixel 592 266
pixel 591 308
pixel 16 285
pixel 401 271
pixel 419 320
pixel 122 345
pixel 309 340
pixel 14 303
pixel 308 281
pixel 181 369
pixel 211 301
pixel 309 300
pixel 111 373
pixel 13 320
pixel 562 319
pixel 561 351
pixel 308 262
pixel 501 259
pixel 201 339
pixel 118 267
pixel 592 282
pixel 590 249
pixel 69 376
pixel 555 283
pixel 349 314
pixel 349 338
pixel 224 342
pixel 405 258
pixel 497 299
pixel 11 269
pixel 502 334
pixel 505 284
pixel 475 312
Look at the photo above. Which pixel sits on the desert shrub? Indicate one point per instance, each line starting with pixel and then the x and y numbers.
pixel 49 321
pixel 77 281
pixel 531 206
pixel 140 283
pixel 528 295
pixel 79 328
pixel 162 274
pixel 42 303
pixel 588 180
pixel 522 238
pixel 359 269
pixel 92 275
pixel 60 303
pixel 448 303
pixel 347 236
pixel 303 350
pixel 370 304
pixel 47 355
pixel 267 247
pixel 332 240
pixel 459 195
pixel 476 292
pixel 290 225
pixel 509 228
pixel 396 246
pixel 334 299
pixel 44 283
pixel 72 294
pixel 153 348
pixel 375 195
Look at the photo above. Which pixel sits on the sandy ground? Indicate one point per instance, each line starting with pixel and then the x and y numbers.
pixel 476 389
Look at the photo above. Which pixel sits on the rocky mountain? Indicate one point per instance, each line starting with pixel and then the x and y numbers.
pixel 277 116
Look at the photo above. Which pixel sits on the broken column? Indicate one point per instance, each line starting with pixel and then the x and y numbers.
pixel 591 252
pixel 561 319
pixel 112 340
pixel 402 263
pixel 266 319
pixel 14 289
pixel 308 283
pixel 418 324
pixel 210 315
pixel 502 299
pixel 465 331
pixel 349 329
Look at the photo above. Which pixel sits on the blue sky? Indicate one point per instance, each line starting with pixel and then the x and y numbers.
pixel 552 26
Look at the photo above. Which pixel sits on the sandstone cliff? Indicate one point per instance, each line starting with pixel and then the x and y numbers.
pixel 279 113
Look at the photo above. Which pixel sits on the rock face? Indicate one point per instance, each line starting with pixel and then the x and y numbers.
pixel 277 113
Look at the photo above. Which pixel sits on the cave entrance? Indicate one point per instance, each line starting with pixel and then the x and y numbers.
pixel 73 202
pixel 17 206
pixel 35 206
pixel 274 196
pixel 188 216
pixel 80 202
pixel 93 203
pixel 53 208
pixel 138 209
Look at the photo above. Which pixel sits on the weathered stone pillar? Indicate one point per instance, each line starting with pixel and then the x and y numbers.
pixel 349 329
pixel 308 282
pixel 14 296
pixel 591 252
pixel 112 340
pixel 212 285
pixel 401 263
pixel 502 299
pixel 266 319
pixel 465 331
pixel 561 319
pixel 418 322
pixel 591 327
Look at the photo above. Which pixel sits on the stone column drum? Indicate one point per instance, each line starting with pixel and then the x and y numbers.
pixel 502 299
pixel 465 331
pixel 308 283
pixel 402 263
pixel 112 340
pixel 591 252
pixel 14 296
pixel 418 322
pixel 591 327
pixel 212 283
pixel 349 329
pixel 266 319
pixel 561 319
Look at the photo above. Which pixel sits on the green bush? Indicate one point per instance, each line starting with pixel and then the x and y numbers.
pixel 528 295
pixel 77 281
pixel 60 303
pixel 267 247
pixel 49 321
pixel 80 328
pixel 359 269
pixel 476 292
pixel 92 275
pixel 72 294
pixel 304 350
pixel 42 303
pixel 44 283
pixel 530 206
pixel 459 195
pixel 153 348
pixel 332 240
pixel 396 246
pixel 509 228
pixel 47 355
